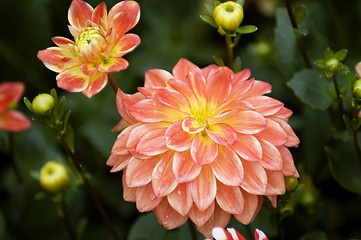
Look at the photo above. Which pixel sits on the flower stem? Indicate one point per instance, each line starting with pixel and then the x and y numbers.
pixel 301 46
pixel 229 47
pixel 112 83
pixel 281 234
pixel 339 99
pixel 65 217
pixel 192 230
pixel 12 157
pixel 87 183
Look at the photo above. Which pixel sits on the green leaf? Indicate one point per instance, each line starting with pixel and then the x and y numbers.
pixel 209 20
pixel 219 61
pixel 311 89
pixel 209 8
pixel 301 32
pixel 320 63
pixel 28 104
pixel 69 137
pixel 341 54
pixel 237 64
pixel 316 235
pixel 240 2
pixel 299 12
pixel 54 94
pixel 146 227
pixel 246 29
pixel 328 54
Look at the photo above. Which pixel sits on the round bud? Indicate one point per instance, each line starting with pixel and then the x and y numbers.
pixel 43 103
pixel 332 65
pixel 357 89
pixel 228 15
pixel 53 176
pixel 291 183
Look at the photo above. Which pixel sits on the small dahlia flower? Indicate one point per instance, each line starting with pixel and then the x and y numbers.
pixel 100 42
pixel 231 234
pixel 202 144
pixel 12 120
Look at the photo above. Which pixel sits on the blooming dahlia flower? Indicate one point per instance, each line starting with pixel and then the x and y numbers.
pixel 99 46
pixel 202 144
pixel 231 234
pixel 12 120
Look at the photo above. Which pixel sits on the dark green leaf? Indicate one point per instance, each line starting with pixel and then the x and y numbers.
pixel 209 20
pixel 146 227
pixel 246 29
pixel 320 63
pixel 28 104
pixel 299 12
pixel 341 54
pixel 209 8
pixel 301 32
pixel 240 2
pixel 328 54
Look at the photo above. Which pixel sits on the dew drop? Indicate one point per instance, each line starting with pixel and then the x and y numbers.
pixel 152 196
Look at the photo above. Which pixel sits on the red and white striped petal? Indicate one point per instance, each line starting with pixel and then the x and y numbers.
pixel 184 168
pixel 167 216
pixel 204 189
pixel 203 149
pixel 259 235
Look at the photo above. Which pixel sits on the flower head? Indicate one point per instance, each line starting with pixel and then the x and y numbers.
pixel 202 144
pixel 12 120
pixel 231 234
pixel 100 42
pixel 228 15
pixel 53 176
pixel 43 103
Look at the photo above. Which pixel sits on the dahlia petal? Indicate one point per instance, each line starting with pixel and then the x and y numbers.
pixel 258 88
pixel 229 198
pixel 184 168
pixel 229 234
pixel 173 99
pixel 163 179
pixel 146 199
pixel 197 83
pixel 259 235
pixel 289 168
pixel 120 147
pixel 72 80
pixel 222 133
pixel 265 105
pixel 151 110
pixel 248 122
pixel 240 88
pixel 252 205
pixel 139 171
pixel 273 200
pixel 100 11
pixel 152 143
pixel 177 139
pixel 201 217
pixel 167 216
pixel 156 78
pixel 271 159
pixel 220 218
pixel 184 89
pixel 273 134
pixel 14 121
pixel 123 16
pixel 227 167
pixel 192 126
pixel 181 198
pixel 129 194
pixel 209 70
pixel 118 162
pixel 79 12
pixel 126 44
pixel 203 150
pixel 255 181
pixel 218 87
pixel 124 102
pixel 204 189
pixel 10 92
pixel 248 147
pixel 182 69
pixel 96 84
pixel 236 105
pixel 284 114
pixel 62 42
pixel 275 183
pixel 58 59
pixel 88 68
pixel 292 140
pixel 236 235
pixel 113 64
pixel 241 76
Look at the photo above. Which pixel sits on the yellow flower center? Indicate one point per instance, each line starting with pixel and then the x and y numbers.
pixel 89 40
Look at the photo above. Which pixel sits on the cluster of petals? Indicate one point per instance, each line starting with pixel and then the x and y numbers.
pixel 12 120
pixel 231 234
pixel 202 144
pixel 100 42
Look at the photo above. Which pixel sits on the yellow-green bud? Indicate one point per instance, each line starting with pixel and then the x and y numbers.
pixel 43 103
pixel 332 64
pixel 228 15
pixel 53 176
pixel 291 183
pixel 357 89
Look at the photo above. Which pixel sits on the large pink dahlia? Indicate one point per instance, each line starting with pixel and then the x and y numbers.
pixel 100 42
pixel 202 144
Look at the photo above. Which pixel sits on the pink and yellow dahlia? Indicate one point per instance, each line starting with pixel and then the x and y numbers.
pixel 100 42
pixel 202 144
pixel 231 234
pixel 12 120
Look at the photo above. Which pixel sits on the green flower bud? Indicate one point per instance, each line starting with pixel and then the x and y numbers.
pixel 357 89
pixel 332 65
pixel 53 176
pixel 228 15
pixel 43 103
pixel 291 183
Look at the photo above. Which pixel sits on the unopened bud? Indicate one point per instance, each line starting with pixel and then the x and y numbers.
pixel 291 183
pixel 53 176
pixel 357 89
pixel 228 15
pixel 332 65
pixel 43 103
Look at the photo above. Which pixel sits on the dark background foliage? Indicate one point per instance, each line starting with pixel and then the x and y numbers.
pixel 327 207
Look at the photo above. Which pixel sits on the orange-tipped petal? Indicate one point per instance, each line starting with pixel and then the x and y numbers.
pixel 156 78
pixel 152 143
pixel 220 218
pixel 173 99
pixel 146 199
pixel 163 179
pixel 177 139
pixel 271 159
pixel 123 16
pixel 10 92
pixel 258 88
pixel 192 126
pixel 14 121
pixel 126 44
pixel 218 87
pixel 124 101
pixel 184 168
pixel 241 76
pixel 255 181
pixel 248 147
pixel 183 68
pixel 119 147
pixel 203 150
pixel 99 12
pixel 240 88
pixel 79 12
pixel 118 162
pixel 167 216
pixel 201 217
pixel 62 42
pixel 292 140
pixel 248 122
pixel 58 59
pixel 113 64
pixel 129 194
pixel 139 172
pixel 72 80
pixel 273 134
pixel 229 198
pixel 222 133
pixel 227 167
pixel 204 189
pixel 181 198
pixel 96 84
pixel 289 168
pixel 265 105
pixel 252 205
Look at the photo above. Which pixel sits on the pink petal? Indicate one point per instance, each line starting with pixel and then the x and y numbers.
pixel 184 89
pixel 271 159
pixel 62 42
pixel 123 16
pixel 276 183
pixel 255 178
pixel 126 44
pixel 248 122
pixel 163 179
pixel 58 59
pixel 238 105
pixel 192 126
pixel 96 84
pixel 252 205
pixel 120 147
pixel 79 12
pixel 10 92
pixel 220 218
pixel 204 189
pixel 273 134
pixel 248 147
pixel 181 199
pixel 139 171
pixel 240 88
pixel 259 235
pixel 265 105
pixel 203 150
pixel 283 113
pixel 129 194
pixel 292 140
pixel 241 76
pixel 209 70
pixel 222 133
pixel 289 168
pixel 156 78
pixel 182 69
pixel 227 167
pixel 146 199
pixel 177 139
pixel 73 80
pixel 14 121
pixel 258 88
pixel 173 99
pixel 114 64
pixel 124 102
pixel 167 216
pixel 152 143
pixel 88 68
pixel 218 87
pixel 184 168
pixel 229 198
pixel 99 12
pixel 201 217
pixel 118 162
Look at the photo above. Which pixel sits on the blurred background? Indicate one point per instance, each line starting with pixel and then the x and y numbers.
pixel 170 30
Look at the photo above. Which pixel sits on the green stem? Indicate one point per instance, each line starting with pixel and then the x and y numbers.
pixel 192 230
pixel 65 217
pixel 112 83
pixel 229 47
pixel 281 234
pixel 339 98
pixel 356 144
pixel 12 158
pixel 87 183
